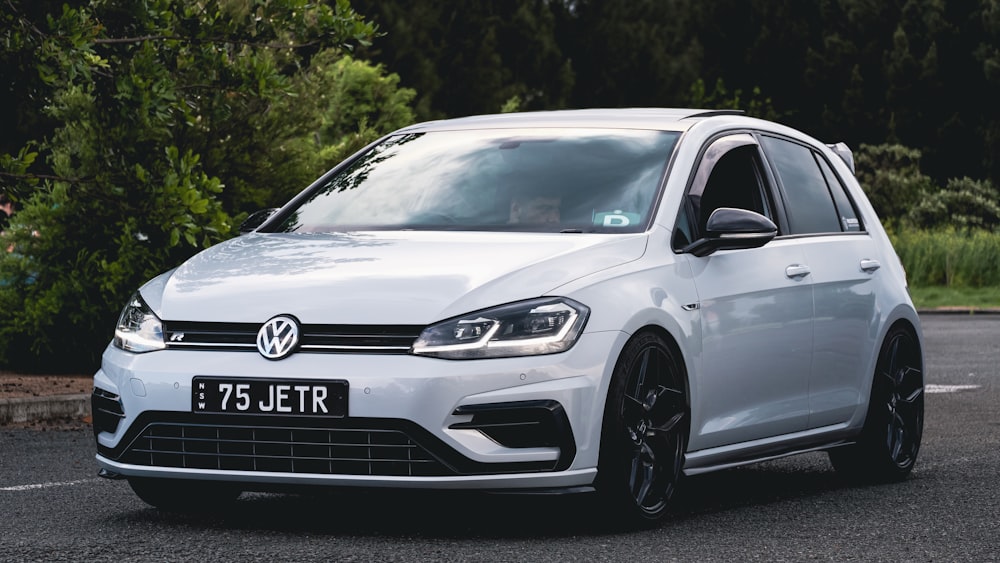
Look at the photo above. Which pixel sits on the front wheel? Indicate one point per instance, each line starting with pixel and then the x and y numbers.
pixel 645 430
pixel 183 495
pixel 887 447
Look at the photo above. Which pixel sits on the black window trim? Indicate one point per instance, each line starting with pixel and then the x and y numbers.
pixel 780 188
pixel 843 188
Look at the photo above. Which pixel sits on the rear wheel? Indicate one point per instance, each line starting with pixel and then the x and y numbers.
pixel 645 430
pixel 887 447
pixel 182 495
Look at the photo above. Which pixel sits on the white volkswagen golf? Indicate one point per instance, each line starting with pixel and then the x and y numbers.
pixel 584 300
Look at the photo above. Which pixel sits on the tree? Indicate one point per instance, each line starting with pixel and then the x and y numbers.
pixel 469 57
pixel 353 103
pixel 987 55
pixel 858 71
pixel 636 53
pixel 721 98
pixel 159 124
pixel 891 177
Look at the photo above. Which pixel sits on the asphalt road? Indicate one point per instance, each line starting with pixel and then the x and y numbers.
pixel 53 508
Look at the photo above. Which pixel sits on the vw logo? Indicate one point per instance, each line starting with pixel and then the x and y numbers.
pixel 278 337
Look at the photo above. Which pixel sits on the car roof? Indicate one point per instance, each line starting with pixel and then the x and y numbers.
pixel 667 119
pixel 662 119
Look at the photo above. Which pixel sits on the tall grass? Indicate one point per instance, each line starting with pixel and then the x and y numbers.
pixel 948 257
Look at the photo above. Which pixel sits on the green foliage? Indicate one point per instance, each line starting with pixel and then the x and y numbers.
pixel 512 105
pixel 153 128
pixel 352 103
pixel 720 98
pixel 905 197
pixel 360 93
pixel 937 296
pixel 964 203
pixel 81 249
pixel 891 177
pixel 16 166
pixel 948 257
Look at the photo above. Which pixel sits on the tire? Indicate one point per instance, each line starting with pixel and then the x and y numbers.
pixel 887 447
pixel 182 495
pixel 645 431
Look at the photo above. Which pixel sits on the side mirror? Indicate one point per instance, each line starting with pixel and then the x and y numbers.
pixel 256 219
pixel 729 229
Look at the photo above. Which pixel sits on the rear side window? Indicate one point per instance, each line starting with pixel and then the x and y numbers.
pixel 848 216
pixel 808 202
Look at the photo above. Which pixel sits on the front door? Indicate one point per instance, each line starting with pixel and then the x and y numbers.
pixel 752 302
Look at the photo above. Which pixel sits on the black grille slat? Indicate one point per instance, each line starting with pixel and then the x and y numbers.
pixel 373 339
pixel 322 446
pixel 282 449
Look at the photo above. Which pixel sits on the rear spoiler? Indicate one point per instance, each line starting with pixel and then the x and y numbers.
pixel 844 153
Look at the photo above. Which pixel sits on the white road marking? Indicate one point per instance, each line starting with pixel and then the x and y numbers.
pixel 46 485
pixel 949 388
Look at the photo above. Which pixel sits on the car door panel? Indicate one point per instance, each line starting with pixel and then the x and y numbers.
pixel 844 269
pixel 749 305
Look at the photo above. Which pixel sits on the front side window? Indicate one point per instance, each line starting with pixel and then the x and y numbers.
pixel 547 180
pixel 728 175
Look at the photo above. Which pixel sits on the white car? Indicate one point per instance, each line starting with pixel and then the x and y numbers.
pixel 580 300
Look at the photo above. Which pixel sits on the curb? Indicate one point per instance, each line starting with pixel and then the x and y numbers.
pixel 959 311
pixel 29 409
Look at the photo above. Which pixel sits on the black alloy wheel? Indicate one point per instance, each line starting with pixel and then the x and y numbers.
pixel 645 430
pixel 887 448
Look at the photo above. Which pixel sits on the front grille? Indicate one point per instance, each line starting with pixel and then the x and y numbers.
pixel 356 339
pixel 299 445
pixel 286 449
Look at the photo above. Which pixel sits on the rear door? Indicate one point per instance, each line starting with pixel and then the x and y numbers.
pixel 843 262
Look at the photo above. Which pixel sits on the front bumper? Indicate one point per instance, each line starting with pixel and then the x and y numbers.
pixel 512 423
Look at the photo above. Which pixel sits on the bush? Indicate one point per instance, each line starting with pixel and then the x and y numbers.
pixel 81 248
pixel 964 204
pixel 891 177
pixel 164 123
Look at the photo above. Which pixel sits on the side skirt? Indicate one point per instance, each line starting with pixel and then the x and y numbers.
pixel 735 455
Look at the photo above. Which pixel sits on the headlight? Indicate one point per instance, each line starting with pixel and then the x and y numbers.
pixel 139 330
pixel 527 328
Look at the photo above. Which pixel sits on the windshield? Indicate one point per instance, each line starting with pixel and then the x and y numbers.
pixel 548 180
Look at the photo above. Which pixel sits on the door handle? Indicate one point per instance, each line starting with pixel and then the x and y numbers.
pixel 869 265
pixel 797 271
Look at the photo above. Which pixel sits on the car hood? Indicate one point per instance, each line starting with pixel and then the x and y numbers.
pixel 378 278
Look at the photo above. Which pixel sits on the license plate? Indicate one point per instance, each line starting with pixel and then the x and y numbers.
pixel 269 397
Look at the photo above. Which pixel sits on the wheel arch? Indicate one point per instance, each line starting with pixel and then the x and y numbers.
pixel 906 319
pixel 656 443
pixel 673 343
pixel 888 440
pixel 675 347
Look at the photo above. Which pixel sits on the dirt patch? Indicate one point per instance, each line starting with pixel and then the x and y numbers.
pixel 83 423
pixel 19 385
